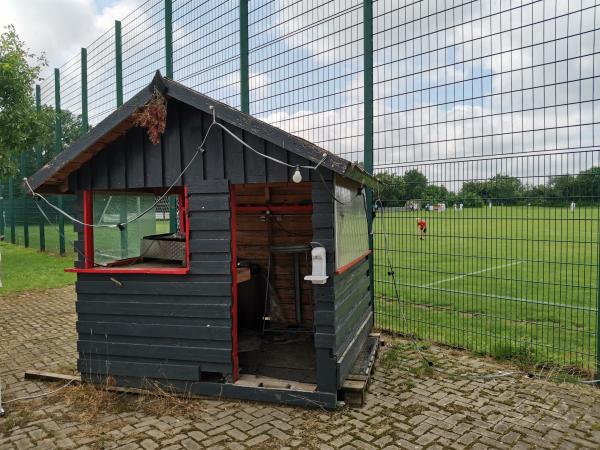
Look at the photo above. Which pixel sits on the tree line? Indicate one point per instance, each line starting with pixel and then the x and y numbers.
pixel 501 189
pixel 25 131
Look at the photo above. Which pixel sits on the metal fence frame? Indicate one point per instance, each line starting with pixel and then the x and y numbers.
pixel 216 24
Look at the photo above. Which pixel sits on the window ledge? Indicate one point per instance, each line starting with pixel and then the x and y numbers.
pixel 136 270
pixel 353 263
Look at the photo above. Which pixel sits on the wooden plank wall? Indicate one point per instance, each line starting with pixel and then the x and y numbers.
pixel 174 326
pixel 171 326
pixel 257 231
pixel 353 315
pixel 324 234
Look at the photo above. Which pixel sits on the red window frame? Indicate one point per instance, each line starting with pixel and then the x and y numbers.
pixel 88 242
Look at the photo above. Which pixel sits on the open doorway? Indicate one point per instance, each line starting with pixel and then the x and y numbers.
pixel 273 230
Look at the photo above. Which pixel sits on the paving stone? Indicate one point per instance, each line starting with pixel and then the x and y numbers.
pixel 402 410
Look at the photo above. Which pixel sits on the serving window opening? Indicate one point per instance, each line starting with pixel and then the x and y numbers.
pixel 275 315
pixel 135 232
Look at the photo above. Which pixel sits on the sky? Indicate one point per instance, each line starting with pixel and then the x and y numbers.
pixel 61 27
pixel 458 86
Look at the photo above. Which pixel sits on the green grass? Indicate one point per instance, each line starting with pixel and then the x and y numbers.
pixel 25 269
pixel 506 281
pixel 52 237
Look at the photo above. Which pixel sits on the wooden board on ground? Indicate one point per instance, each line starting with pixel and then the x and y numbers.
pixel 268 382
pixel 355 386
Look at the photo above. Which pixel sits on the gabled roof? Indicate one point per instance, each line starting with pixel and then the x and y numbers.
pixel 53 177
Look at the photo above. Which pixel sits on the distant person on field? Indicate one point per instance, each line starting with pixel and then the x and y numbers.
pixel 490 204
pixel 461 206
pixel 422 226
pixel 573 206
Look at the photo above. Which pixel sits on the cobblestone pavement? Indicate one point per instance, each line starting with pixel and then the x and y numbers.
pixel 409 405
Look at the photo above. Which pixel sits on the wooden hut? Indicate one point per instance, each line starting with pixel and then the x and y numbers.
pixel 209 295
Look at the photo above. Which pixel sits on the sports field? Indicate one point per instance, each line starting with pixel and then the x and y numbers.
pixel 508 280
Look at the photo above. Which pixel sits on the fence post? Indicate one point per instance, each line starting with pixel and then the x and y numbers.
pixel 119 89
pixel 57 150
pixel 118 63
pixel 24 201
pixel 85 125
pixel 42 222
pixel 169 73
pixel 169 38
pixel 2 211
pixel 11 209
pixel 598 304
pixel 368 124
pixel 244 65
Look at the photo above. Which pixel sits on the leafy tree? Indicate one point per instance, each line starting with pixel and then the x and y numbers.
pixel 587 185
pixel 71 126
pixel 433 194
pixel 536 195
pixel 20 127
pixel 415 183
pixel 393 189
pixel 504 189
pixel 477 188
pixel 470 200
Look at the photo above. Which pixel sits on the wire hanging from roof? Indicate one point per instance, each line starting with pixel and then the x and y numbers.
pixel 201 149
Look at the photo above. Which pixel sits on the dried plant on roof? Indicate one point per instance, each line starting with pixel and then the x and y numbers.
pixel 153 117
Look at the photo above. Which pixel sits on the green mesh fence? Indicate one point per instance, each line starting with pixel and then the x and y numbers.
pixel 482 118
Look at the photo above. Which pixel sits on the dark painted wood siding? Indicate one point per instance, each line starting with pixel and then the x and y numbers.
pixel 174 326
pixel 324 234
pixel 132 162
pixel 165 326
pixel 353 315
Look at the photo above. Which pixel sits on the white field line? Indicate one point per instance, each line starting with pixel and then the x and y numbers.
pixel 501 297
pixel 472 273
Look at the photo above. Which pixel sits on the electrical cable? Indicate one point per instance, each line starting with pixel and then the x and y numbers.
pixel 85 258
pixel 392 273
pixel 200 150
pixel 44 394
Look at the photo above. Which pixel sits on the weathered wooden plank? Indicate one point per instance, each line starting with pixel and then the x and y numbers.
pixel 117 163
pixel 234 156
pixel 276 172
pixel 166 371
pixel 214 159
pixel 191 137
pixel 171 145
pixel 100 171
pixel 347 357
pixel 135 158
pixel 211 256
pixel 158 330
pixel 210 245
pixel 155 288
pixel 209 187
pixel 210 220
pixel 255 164
pixel 153 163
pixel 204 311
pixel 85 176
pixel 207 202
pixel 150 320
pixel 145 298
pixel 167 352
pixel 211 267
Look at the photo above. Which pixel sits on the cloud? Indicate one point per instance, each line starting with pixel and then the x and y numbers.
pixel 61 27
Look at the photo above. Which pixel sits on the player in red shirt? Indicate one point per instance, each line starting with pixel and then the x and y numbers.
pixel 422 225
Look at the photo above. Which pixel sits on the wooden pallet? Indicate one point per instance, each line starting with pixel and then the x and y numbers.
pixel 355 386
